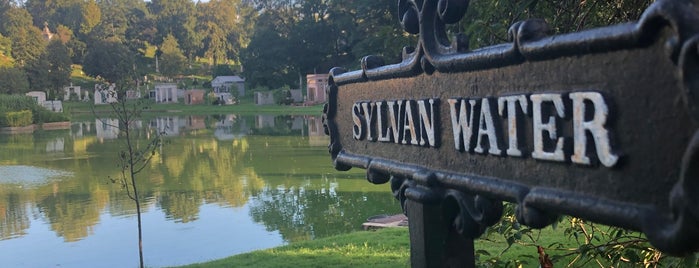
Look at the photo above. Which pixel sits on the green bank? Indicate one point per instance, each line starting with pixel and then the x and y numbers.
pixel 82 109
pixel 391 248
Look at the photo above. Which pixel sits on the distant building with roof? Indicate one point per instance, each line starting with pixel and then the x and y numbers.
pixel 165 93
pixel 224 88
pixel 315 88
pixel 46 33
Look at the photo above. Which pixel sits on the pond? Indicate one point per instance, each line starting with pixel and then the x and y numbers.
pixel 218 186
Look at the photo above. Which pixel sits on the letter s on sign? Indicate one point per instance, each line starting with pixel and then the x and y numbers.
pixel 358 128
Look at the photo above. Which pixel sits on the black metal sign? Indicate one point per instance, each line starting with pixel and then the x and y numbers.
pixel 599 124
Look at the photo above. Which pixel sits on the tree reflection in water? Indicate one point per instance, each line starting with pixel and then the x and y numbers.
pixel 276 168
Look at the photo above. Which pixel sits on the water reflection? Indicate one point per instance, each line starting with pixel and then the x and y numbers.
pixel 267 177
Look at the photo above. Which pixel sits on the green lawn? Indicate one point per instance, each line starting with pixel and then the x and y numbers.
pixel 382 248
pixel 391 248
pixel 77 108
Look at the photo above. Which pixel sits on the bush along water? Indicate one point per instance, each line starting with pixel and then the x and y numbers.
pixel 17 110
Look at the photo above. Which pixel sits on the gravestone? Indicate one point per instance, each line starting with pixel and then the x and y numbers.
pixel 599 124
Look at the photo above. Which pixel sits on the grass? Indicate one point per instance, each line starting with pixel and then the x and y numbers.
pixel 77 108
pixel 381 248
pixel 246 105
pixel 79 78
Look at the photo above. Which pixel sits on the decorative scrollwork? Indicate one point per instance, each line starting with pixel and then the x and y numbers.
pixel 533 217
pixel 673 22
pixel 398 187
pixel 470 214
pixel 678 233
pixel 689 68
pixel 409 18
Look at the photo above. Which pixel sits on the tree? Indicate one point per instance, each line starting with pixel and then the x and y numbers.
pixel 222 70
pixel 141 31
pixel 486 22
pixel 91 16
pixel 51 71
pixel 38 72
pixel 134 157
pixel 177 17
pixel 59 68
pixel 225 28
pixel 27 43
pixel 64 34
pixel 41 11
pixel 372 28
pixel 110 60
pixel 172 61
pixel 113 25
pixel 127 22
pixel 13 81
pixel 293 39
pixel 266 58
pixel 6 59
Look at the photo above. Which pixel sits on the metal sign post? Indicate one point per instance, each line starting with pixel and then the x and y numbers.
pixel 599 124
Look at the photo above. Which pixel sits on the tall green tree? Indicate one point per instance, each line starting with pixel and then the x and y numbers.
pixel 91 16
pixel 312 39
pixel 27 45
pixel 225 28
pixel 41 10
pixel 58 57
pixel 370 28
pixel 266 58
pixel 69 13
pixel 216 19
pixel 128 22
pixel 110 60
pixel 142 28
pixel 172 61
pixel 38 72
pixel 112 26
pixel 292 39
pixel 27 42
pixel 13 81
pixel 51 71
pixel 177 17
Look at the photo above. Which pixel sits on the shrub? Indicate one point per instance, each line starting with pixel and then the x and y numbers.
pixel 283 97
pixel 41 115
pixel 17 102
pixel 18 119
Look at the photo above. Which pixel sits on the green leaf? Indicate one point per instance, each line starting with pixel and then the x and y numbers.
pixel 482 252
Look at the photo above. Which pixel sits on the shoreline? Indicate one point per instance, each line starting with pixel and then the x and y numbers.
pixel 34 127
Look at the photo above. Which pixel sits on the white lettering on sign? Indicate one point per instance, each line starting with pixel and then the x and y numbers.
pixel 497 126
pixel 486 127
pixel 549 126
pixel 462 122
pixel 407 122
pixel 595 126
pixel 510 103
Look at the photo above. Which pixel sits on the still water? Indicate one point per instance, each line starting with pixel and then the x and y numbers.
pixel 218 186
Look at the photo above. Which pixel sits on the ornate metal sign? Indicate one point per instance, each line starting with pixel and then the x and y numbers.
pixel 599 124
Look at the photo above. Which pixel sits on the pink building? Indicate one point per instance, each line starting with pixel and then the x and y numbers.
pixel 315 88
pixel 194 96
